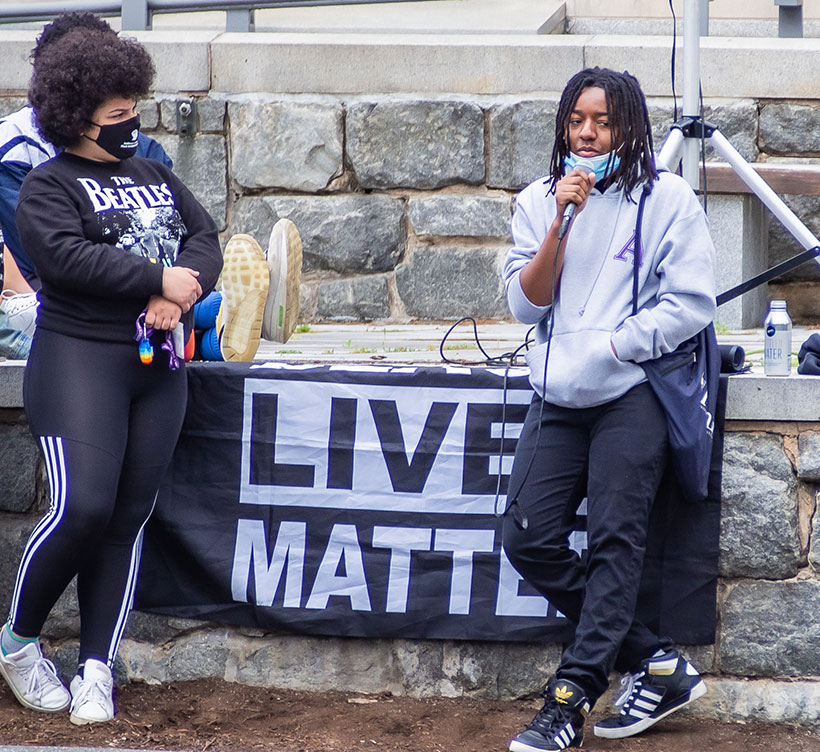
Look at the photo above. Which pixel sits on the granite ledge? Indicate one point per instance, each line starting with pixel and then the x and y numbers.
pixel 749 397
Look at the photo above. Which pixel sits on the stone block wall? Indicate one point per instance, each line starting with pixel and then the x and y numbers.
pixel 404 201
pixel 768 603
pixel 390 195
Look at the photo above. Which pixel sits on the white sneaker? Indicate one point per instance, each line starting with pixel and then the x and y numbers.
pixel 92 694
pixel 20 309
pixel 284 256
pixel 33 679
pixel 245 283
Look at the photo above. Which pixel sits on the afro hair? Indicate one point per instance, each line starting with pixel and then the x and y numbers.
pixel 64 23
pixel 80 71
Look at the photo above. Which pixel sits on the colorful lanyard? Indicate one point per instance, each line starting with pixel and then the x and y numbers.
pixel 146 349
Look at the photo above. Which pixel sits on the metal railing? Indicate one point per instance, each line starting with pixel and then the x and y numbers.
pixel 137 15
pixel 790 18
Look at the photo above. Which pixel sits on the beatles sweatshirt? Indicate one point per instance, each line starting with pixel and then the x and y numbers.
pixel 100 233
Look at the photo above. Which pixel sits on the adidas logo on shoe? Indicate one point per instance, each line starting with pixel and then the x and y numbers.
pixel 559 724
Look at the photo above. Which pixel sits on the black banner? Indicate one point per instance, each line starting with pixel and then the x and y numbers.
pixel 348 500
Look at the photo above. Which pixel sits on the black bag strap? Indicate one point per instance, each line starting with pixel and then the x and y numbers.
pixel 637 257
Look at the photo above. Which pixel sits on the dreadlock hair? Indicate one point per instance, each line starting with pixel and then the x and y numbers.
pixel 628 120
pixel 64 23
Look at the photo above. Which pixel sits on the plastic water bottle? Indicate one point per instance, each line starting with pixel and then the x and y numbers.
pixel 777 341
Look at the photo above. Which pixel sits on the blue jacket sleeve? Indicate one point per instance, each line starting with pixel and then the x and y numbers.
pixel 12 175
pixel 150 149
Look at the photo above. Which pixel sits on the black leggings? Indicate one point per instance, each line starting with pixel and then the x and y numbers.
pixel 617 451
pixel 107 426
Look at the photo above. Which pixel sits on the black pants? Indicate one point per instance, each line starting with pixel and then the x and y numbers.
pixel 107 426
pixel 617 453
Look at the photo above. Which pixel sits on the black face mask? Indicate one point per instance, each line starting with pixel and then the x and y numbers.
pixel 119 139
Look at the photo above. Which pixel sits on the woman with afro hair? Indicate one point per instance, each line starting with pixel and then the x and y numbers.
pixel 123 251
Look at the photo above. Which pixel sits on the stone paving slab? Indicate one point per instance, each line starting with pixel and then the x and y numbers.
pixel 392 343
pixel 419 343
pixel 751 396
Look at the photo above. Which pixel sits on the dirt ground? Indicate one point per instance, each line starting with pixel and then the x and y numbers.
pixel 213 715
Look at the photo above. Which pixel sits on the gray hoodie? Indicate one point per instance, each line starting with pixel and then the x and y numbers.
pixel 593 310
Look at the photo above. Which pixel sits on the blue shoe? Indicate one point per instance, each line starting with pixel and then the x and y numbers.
pixel 662 685
pixel 206 311
pixel 559 724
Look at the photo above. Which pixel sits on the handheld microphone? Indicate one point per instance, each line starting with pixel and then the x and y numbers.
pixel 587 166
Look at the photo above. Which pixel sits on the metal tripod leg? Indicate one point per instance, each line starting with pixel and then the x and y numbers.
pixel 670 156
pixel 681 143
pixel 761 189
pixel 672 150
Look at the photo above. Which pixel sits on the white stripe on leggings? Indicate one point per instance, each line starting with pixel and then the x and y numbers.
pixel 130 587
pixel 54 457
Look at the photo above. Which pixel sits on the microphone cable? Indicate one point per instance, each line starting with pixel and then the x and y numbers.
pixel 508 361
pixel 489 360
pixel 522 521
pixel 505 360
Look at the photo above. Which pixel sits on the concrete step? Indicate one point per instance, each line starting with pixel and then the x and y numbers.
pixel 427 17
pixel 464 63
pixel 500 64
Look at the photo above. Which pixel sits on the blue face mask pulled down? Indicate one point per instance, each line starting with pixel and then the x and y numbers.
pixel 596 164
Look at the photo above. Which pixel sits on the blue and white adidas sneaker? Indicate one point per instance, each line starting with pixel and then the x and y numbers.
pixel 559 724
pixel 664 683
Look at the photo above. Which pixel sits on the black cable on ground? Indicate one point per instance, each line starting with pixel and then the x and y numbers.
pixel 505 359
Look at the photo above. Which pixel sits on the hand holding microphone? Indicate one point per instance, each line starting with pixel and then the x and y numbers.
pixel 572 190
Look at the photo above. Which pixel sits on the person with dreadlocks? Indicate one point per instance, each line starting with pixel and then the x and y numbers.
pixel 595 427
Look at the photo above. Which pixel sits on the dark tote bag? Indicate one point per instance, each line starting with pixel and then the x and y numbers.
pixel 686 382
pixel 679 579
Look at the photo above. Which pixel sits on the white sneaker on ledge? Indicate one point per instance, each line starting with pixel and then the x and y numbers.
pixel 284 257
pixel 20 309
pixel 33 679
pixel 92 694
pixel 245 285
